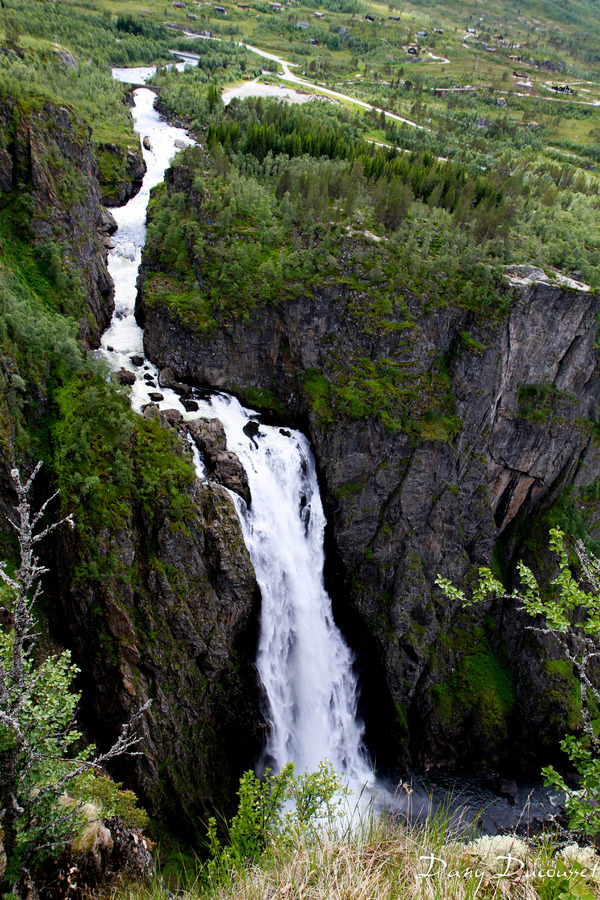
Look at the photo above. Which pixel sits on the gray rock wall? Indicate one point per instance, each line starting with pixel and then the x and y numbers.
pixel 462 689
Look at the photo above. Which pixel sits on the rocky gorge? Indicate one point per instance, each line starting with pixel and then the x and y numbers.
pixel 155 592
pixel 500 435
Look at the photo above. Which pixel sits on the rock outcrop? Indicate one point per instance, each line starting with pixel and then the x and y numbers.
pixel 501 414
pixel 121 171
pixel 223 465
pixel 48 173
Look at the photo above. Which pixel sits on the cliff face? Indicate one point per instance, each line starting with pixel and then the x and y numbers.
pixel 507 410
pixel 121 172
pixel 48 182
pixel 175 623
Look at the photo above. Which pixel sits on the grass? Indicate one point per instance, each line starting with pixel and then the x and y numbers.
pixel 387 858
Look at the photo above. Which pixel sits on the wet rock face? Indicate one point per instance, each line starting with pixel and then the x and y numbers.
pixel 401 509
pixel 177 624
pixel 46 153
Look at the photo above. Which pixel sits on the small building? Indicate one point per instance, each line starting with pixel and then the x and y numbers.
pixel 369 18
pixel 314 41
pixel 394 18
pixel 147 12
pixel 276 6
pixel 220 9
pixel 319 15
pixel 471 31
pixel 413 51
pixel 193 17
pixel 179 4
pixel 422 33
pixel 439 30
pixel 304 25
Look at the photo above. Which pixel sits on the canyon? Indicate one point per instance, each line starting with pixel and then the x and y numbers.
pixel 175 615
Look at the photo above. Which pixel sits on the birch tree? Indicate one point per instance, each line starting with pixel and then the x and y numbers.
pixel 40 745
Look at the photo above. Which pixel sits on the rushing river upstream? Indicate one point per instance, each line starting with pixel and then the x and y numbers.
pixel 303 661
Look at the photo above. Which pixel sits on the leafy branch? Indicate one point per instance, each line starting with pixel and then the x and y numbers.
pixel 570 613
pixel 38 761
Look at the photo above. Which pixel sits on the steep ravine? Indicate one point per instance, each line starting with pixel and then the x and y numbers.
pixel 466 690
pixel 153 591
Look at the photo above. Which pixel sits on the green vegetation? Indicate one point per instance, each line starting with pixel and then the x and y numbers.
pixel 314 852
pixel 570 614
pixel 108 458
pixel 40 748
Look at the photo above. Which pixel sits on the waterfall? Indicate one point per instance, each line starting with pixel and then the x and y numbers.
pixel 305 666
pixel 303 662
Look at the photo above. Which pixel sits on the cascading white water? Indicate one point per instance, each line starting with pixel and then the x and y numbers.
pixel 304 664
pixel 303 661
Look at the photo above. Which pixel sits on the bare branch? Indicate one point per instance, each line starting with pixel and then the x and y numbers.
pixel 68 520
pixel 20 690
pixel 42 509
pixel 5 578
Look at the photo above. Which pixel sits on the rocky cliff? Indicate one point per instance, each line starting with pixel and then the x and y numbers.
pixel 176 623
pixel 153 591
pixel 50 195
pixel 495 420
pixel 121 171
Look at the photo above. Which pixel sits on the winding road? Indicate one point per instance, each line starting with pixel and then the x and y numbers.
pixel 288 75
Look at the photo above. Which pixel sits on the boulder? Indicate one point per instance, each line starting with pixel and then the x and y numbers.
pixel 209 436
pixel 229 471
pixel 173 416
pixel 125 377
pixel 166 378
pixel 222 465
pixel 108 223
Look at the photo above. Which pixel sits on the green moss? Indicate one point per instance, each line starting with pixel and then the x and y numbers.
pixel 318 393
pixel 470 343
pixel 348 490
pixel 539 401
pixel 563 694
pixel 480 692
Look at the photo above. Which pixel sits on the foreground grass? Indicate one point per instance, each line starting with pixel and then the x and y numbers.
pixel 385 860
